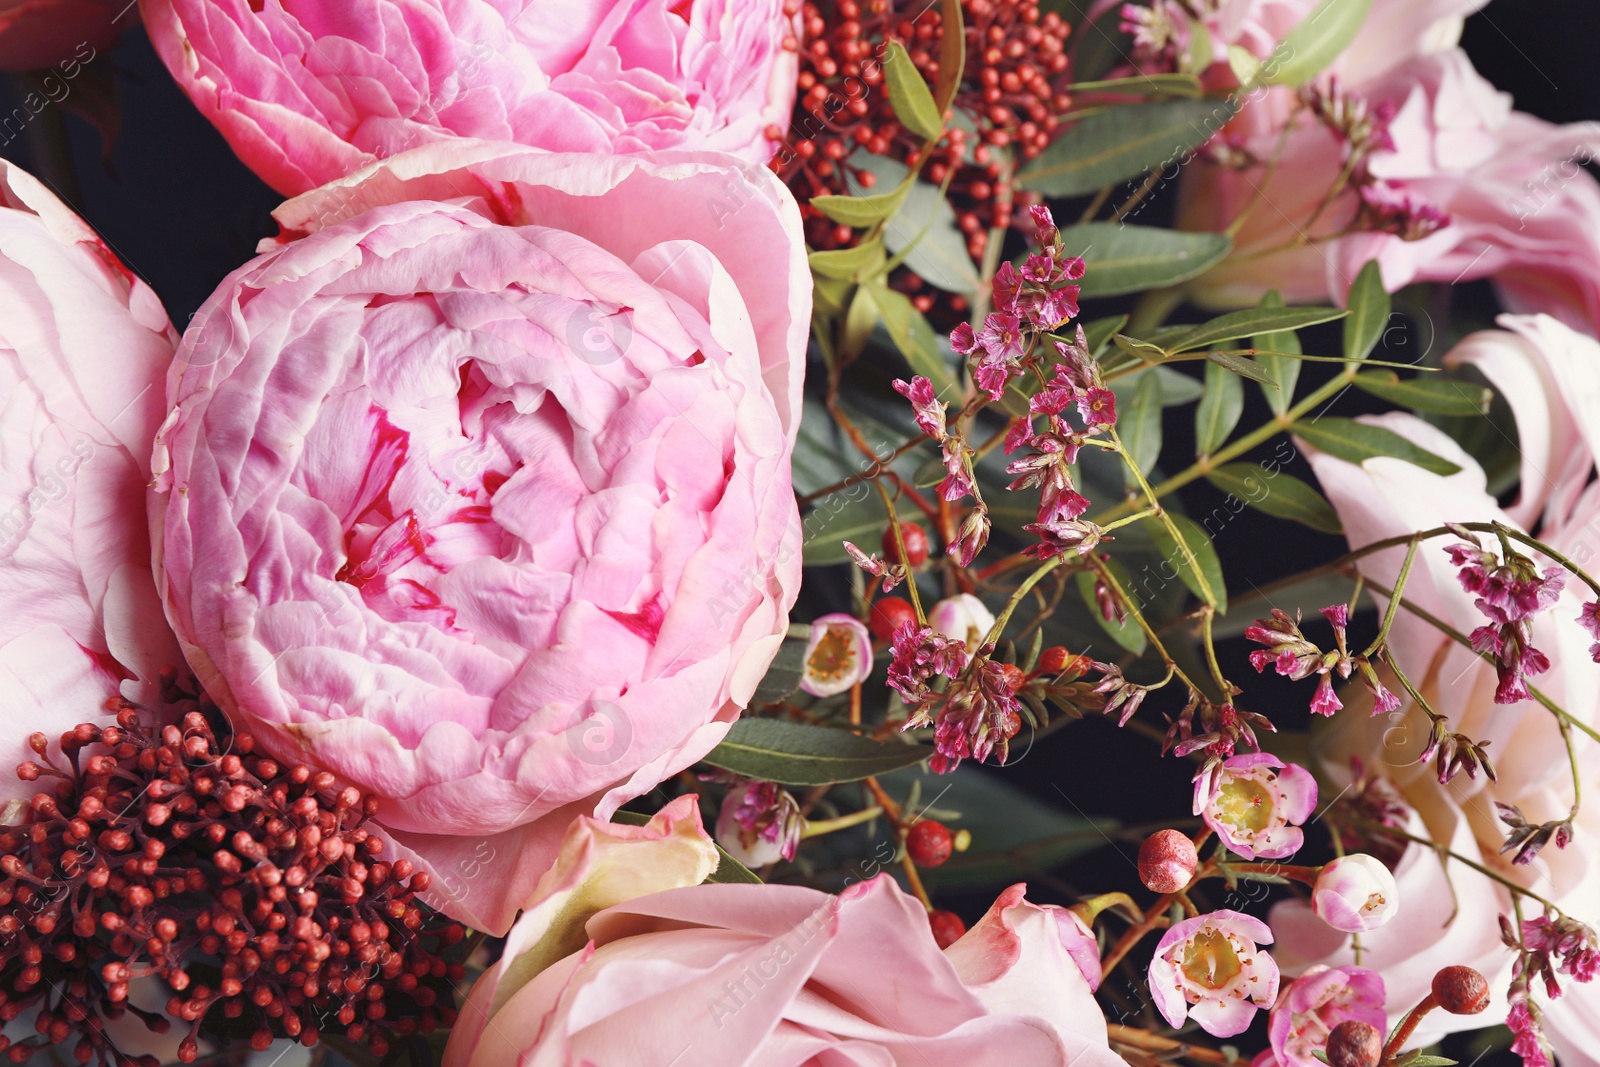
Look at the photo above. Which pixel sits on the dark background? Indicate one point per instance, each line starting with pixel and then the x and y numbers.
pixel 180 211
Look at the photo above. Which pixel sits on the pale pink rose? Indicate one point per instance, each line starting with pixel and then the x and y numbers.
pixel 723 974
pixel 84 346
pixel 491 518
pixel 1312 1005
pixel 1510 189
pixel 1551 376
pixel 307 91
pixel 35 34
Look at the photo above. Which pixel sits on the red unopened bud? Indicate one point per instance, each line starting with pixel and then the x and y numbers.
pixel 947 927
pixel 1354 1043
pixel 1053 660
pixel 916 544
pixel 888 615
pixel 1013 676
pixel 1461 990
pixel 1167 861
pixel 928 843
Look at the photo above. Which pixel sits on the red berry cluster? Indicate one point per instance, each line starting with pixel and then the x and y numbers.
pixel 250 887
pixel 1011 91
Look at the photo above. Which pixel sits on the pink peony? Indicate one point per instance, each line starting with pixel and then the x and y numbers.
pixel 1482 191
pixel 492 518
pixel 84 346
pixel 724 974
pixel 36 34
pixel 1550 374
pixel 307 91
pixel 1312 1005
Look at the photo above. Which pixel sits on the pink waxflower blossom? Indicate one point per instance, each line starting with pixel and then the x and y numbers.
pixel 1389 207
pixel 1355 893
pixel 958 479
pixel 1210 968
pixel 1292 655
pixel 1589 619
pixel 84 353
pixel 838 655
pixel 1007 285
pixel 1003 347
pixel 1257 804
pixel 1098 405
pixel 311 91
pixel 1058 536
pixel 503 529
pixel 1313 1004
pixel 977 717
pixel 1529 1040
pixel 1045 232
pixel 925 403
pixel 759 823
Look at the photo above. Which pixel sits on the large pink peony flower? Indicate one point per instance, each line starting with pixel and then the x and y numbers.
pixel 307 91
pixel 1509 189
pixel 1551 376
pixel 671 972
pixel 478 493
pixel 84 346
pixel 35 34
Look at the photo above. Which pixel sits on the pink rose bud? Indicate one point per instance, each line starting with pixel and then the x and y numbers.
pixel 962 617
pixel 1355 893
pixel 838 655
pixel 1167 861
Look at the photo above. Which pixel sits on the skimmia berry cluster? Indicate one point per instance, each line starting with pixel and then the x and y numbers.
pixel 250 888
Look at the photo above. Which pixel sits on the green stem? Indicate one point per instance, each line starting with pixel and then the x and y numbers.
pixel 1493 875
pixel 1394 601
pixel 900 546
pixel 1017 594
pixel 1133 611
pixel 843 822
pixel 1200 579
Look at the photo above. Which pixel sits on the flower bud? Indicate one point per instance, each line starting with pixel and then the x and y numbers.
pixel 1355 893
pixel 889 613
pixel 1461 990
pixel 1354 1043
pixel 1167 861
pixel 916 544
pixel 963 618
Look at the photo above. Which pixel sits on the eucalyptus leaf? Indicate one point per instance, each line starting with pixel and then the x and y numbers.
pixel 1241 365
pixel 1252 321
pixel 838 518
pixel 952 55
pixel 1128 259
pixel 1284 372
pixel 1139 425
pixel 1186 85
pixel 848 263
pixel 1316 41
pixel 1144 350
pixel 915 339
pixel 1436 396
pixel 909 95
pixel 861 211
pixel 1356 442
pixel 1205 554
pixel 1276 493
pixel 1369 313
pixel 1220 409
pixel 797 753
pixel 1123 142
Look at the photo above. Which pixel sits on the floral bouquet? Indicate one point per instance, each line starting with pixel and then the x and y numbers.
pixel 643 566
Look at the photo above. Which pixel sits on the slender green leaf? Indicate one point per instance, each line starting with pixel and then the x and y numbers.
pixel 1437 396
pixel 1356 442
pixel 1140 425
pixel 848 263
pixel 859 322
pixel 952 55
pixel 925 230
pixel 728 868
pixel 1129 259
pixel 1144 85
pixel 1316 41
pixel 914 338
pixel 1278 494
pixel 797 753
pixel 838 518
pixel 1285 373
pixel 1204 552
pixel 1144 350
pixel 862 211
pixel 1220 409
pixel 1241 365
pixel 1239 324
pixel 1123 142
pixel 1177 387
pixel 1126 633
pixel 909 94
pixel 783 675
pixel 1369 313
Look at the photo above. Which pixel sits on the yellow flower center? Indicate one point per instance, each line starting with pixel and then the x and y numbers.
pixel 1245 804
pixel 1210 960
pixel 835 655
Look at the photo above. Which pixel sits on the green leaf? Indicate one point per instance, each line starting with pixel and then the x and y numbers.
pixel 925 230
pixel 861 211
pixel 930 472
pixel 1144 350
pixel 914 338
pixel 1098 332
pixel 1101 45
pixel 838 518
pixel 1126 633
pixel 859 322
pixel 1239 324
pixel 728 868
pixel 1220 409
pixel 1419 1060
pixel 797 753
pixel 1242 366
pixel 1009 827
pixel 1205 554
pixel 1369 313
pixel 1315 42
pixel 1278 494
pixel 909 94
pixel 1186 85
pixel 1140 426
pixel 1123 142
pixel 848 263
pixel 1284 372
pixel 1355 442
pixel 952 55
pixel 1437 396
pixel 783 676
pixel 1127 259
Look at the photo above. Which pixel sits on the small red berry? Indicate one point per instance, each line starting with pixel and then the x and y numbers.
pixel 1354 1043
pixel 928 843
pixel 947 927
pixel 1461 990
pixel 1053 660
pixel 1167 861
pixel 888 615
pixel 1013 676
pixel 916 544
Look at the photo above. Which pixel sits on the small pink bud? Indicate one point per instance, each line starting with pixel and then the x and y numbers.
pixel 1355 893
pixel 1167 861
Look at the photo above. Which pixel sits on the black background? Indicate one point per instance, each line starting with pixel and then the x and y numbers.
pixel 177 207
